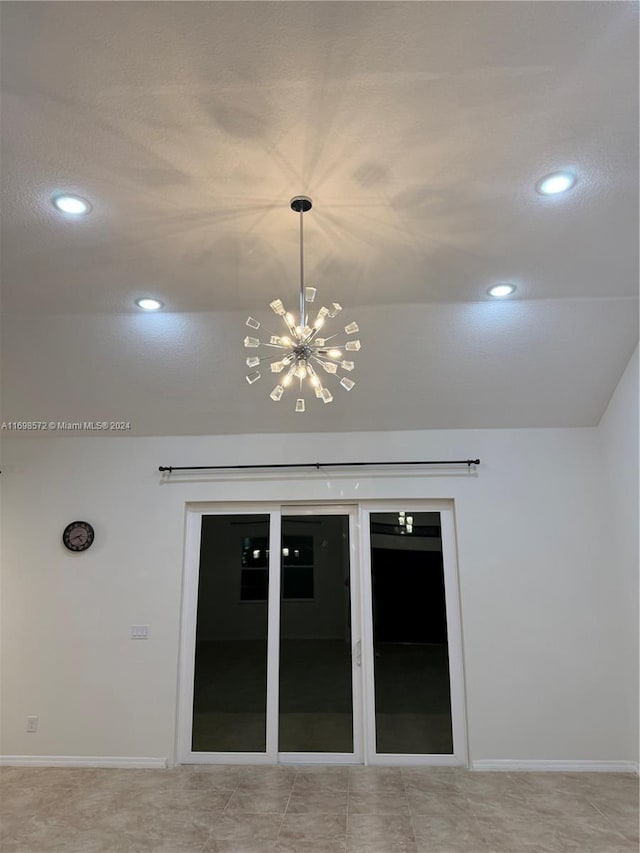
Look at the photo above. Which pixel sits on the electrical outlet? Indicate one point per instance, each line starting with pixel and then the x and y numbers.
pixel 32 724
pixel 139 632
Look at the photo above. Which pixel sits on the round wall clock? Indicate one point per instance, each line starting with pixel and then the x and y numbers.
pixel 78 536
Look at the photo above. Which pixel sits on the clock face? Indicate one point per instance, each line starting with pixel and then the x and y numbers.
pixel 78 536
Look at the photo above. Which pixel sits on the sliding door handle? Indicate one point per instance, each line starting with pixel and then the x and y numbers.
pixel 357 650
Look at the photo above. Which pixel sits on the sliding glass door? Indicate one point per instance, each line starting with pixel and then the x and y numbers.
pixel 411 661
pixel 230 677
pixel 317 664
pixel 322 634
pixel 276 658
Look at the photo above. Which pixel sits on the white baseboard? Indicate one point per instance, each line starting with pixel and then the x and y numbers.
pixel 508 764
pixel 80 761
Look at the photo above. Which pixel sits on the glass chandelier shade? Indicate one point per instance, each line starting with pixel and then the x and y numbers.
pixel 298 356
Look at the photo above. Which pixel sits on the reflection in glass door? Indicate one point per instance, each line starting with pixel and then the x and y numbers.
pixel 315 687
pixel 411 651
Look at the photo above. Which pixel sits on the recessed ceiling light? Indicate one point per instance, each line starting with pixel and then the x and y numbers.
pixel 149 304
pixel 501 290
pixel 558 182
pixel 73 204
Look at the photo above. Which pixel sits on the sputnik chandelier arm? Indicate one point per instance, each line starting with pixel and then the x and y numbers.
pixel 301 350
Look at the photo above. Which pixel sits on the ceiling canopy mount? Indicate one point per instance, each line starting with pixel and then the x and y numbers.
pixel 301 204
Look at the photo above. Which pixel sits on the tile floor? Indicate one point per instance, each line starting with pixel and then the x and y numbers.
pixel 316 810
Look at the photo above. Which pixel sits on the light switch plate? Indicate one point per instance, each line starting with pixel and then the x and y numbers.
pixel 139 632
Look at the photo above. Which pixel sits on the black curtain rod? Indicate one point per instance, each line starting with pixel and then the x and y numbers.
pixel 317 465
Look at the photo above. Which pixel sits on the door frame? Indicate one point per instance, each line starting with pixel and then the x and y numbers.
pixel 189 605
pixel 186 677
pixel 459 757
pixel 361 632
pixel 357 756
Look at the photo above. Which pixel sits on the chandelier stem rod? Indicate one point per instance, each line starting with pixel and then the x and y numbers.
pixel 317 465
pixel 302 317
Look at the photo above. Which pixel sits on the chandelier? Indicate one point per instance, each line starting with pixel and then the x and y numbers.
pixel 301 354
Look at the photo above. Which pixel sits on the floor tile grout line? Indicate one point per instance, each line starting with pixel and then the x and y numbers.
pixel 608 818
pixel 406 793
pixel 214 822
pixel 286 808
pixel 224 810
pixel 346 826
pixel 301 814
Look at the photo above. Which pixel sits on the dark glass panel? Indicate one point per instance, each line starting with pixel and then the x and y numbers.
pixel 316 704
pixel 412 693
pixel 230 686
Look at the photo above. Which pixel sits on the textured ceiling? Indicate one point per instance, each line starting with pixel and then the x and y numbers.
pixel 419 129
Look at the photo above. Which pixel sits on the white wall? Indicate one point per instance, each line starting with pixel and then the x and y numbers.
pixel 547 663
pixel 619 434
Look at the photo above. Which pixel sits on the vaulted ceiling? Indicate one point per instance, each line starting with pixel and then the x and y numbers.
pixel 420 131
